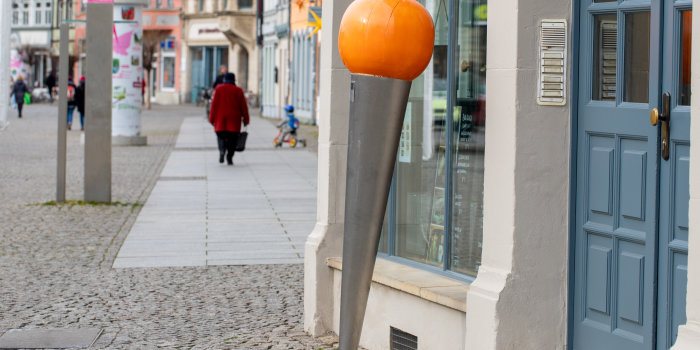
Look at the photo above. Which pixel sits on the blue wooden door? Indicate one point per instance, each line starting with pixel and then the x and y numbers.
pixel 631 203
pixel 674 172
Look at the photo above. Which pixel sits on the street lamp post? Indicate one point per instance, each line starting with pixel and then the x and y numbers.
pixel 98 101
pixel 5 18
pixel 62 114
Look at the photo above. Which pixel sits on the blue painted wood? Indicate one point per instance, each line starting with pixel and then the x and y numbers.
pixel 633 171
pixel 631 232
pixel 631 287
pixel 601 176
pixel 598 286
pixel 617 157
pixel 673 190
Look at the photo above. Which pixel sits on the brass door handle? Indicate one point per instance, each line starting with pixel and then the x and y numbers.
pixel 654 116
pixel 665 117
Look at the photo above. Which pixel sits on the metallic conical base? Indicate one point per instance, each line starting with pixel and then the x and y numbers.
pixel 377 108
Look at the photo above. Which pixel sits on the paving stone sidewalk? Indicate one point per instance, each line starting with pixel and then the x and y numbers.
pixel 56 260
pixel 201 212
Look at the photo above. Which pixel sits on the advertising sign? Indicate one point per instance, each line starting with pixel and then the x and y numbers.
pixel 127 70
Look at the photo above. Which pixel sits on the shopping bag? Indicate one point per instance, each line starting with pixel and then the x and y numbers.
pixel 242 137
pixel 27 98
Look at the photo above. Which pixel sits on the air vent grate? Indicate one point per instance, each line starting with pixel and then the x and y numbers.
pixel 401 340
pixel 551 88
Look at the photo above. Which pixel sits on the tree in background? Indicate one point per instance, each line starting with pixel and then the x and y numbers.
pixel 151 42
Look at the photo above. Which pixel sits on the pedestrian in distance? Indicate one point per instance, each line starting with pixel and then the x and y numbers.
pixel 229 109
pixel 50 83
pixel 19 89
pixel 71 101
pixel 80 101
pixel 223 70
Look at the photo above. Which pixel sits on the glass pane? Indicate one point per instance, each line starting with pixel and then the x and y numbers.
pixel 604 57
pixel 684 64
pixel 469 118
pixel 636 85
pixel 420 169
pixel 384 237
pixel 604 0
pixel 168 72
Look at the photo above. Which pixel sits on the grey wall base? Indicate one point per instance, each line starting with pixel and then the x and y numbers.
pixel 129 140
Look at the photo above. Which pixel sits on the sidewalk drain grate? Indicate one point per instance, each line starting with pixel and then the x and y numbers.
pixel 37 338
pixel 181 178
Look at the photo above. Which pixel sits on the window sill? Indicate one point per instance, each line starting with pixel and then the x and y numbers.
pixel 423 284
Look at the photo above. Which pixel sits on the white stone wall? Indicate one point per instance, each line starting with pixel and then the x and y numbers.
pixel 326 240
pixel 436 327
pixel 519 299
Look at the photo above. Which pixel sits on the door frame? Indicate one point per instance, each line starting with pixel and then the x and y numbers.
pixel 573 166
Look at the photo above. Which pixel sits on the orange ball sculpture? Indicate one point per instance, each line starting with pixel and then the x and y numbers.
pixel 386 38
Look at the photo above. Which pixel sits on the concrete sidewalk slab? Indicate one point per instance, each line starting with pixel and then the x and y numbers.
pixel 37 338
pixel 200 212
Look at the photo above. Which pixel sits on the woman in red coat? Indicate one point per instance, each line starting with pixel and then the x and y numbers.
pixel 228 109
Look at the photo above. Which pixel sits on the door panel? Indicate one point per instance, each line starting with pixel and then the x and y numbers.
pixel 673 191
pixel 632 203
pixel 616 218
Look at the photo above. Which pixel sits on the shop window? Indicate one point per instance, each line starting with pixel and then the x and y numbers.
pixel 245 4
pixel 168 71
pixel 303 78
pixel 435 211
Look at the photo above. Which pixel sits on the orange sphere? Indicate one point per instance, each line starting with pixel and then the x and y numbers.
pixel 387 38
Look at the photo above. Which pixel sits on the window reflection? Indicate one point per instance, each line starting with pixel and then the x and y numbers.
pixel 685 40
pixel 469 128
pixel 420 178
pixel 605 57
pixel 637 34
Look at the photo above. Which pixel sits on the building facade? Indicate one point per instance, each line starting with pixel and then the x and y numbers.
pixel 31 40
pixel 163 17
pixel 304 60
pixel 275 63
pixel 215 33
pixel 568 222
pixel 63 9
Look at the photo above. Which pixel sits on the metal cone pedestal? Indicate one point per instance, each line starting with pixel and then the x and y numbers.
pixel 377 108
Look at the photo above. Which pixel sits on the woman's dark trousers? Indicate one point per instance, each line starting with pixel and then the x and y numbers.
pixel 19 108
pixel 228 141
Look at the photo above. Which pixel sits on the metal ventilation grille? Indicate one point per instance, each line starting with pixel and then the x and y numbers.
pixel 552 73
pixel 608 53
pixel 401 340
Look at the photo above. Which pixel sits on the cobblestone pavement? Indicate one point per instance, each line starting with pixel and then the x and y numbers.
pixel 55 259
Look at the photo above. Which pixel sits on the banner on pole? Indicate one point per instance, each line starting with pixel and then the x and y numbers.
pixel 127 71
